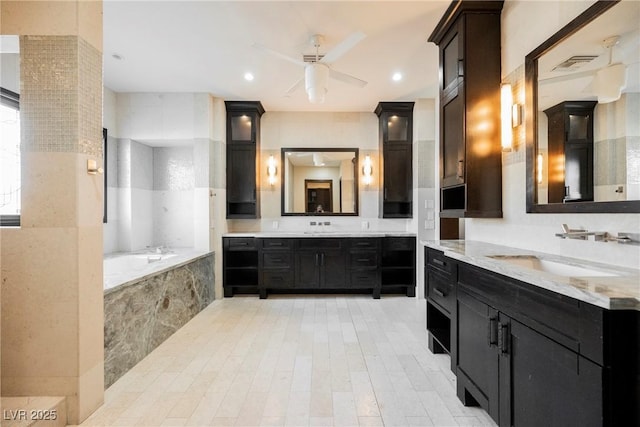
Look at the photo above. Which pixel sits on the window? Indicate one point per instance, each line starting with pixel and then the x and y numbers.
pixel 9 158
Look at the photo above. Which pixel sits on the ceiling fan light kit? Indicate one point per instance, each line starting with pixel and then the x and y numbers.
pixel 316 82
pixel 317 71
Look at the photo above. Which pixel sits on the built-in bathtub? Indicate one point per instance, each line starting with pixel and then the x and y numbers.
pixel 148 296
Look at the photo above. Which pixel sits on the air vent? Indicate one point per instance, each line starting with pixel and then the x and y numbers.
pixel 311 58
pixel 574 63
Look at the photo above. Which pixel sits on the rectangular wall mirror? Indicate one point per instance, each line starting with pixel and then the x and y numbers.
pixel 319 181
pixel 582 95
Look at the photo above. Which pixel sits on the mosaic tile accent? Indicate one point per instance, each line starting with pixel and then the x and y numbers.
pixel 518 155
pixel 141 316
pixel 218 162
pixel 426 150
pixel 61 95
pixel 610 162
pixel 201 154
pixel 173 168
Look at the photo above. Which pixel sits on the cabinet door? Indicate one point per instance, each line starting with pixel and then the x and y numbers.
pixel 397 173
pixel 545 384
pixel 453 145
pixel 307 269
pixel 333 269
pixel 478 361
pixel 578 180
pixel 451 59
pixel 241 173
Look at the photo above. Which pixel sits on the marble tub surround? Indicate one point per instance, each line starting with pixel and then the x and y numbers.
pixel 126 268
pixel 141 315
pixel 616 288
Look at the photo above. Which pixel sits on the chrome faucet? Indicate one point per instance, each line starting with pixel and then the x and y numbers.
pixel 579 233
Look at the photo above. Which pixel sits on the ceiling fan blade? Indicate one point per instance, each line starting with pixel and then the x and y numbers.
pixel 297 85
pixel 278 54
pixel 342 47
pixel 346 78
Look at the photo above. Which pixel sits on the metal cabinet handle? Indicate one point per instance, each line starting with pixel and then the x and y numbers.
pixel 461 169
pixel 363 259
pixel 317 257
pixel 439 292
pixel 322 259
pixel 493 331
pixel 439 262
pixel 460 67
pixel 503 337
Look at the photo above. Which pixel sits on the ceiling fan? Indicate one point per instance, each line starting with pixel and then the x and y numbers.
pixel 317 68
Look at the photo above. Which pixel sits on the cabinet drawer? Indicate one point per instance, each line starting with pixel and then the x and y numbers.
pixel 276 260
pixel 441 290
pixel 319 243
pixel 277 279
pixel 399 243
pixel 240 243
pixel 364 279
pixel 364 259
pixel 275 244
pixel 364 243
pixel 439 261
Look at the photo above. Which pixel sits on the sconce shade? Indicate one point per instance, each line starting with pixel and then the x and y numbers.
pixel 316 82
pixel 506 105
pixel 367 171
pixel 609 82
pixel 272 170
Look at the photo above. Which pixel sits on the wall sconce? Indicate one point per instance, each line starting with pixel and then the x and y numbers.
pixel 272 170
pixel 367 171
pixel 539 168
pixel 506 109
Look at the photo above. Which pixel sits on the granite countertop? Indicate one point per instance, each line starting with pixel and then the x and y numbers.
pixel 604 285
pixel 336 233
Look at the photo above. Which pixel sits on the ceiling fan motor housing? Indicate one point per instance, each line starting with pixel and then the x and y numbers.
pixel 316 81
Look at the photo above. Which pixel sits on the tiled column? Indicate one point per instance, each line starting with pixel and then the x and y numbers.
pixel 52 302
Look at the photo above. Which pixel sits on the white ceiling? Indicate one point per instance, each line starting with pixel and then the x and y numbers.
pixel 206 46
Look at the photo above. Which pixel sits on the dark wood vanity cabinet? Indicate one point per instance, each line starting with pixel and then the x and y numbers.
pixel 532 357
pixel 570 142
pixel 320 263
pixel 240 265
pixel 468 36
pixel 243 145
pixel 257 265
pixel 396 162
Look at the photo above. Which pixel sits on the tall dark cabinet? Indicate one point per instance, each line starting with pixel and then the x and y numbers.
pixel 468 36
pixel 570 137
pixel 243 144
pixel 396 163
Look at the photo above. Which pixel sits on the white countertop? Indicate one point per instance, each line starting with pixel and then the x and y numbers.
pixel 620 291
pixel 299 234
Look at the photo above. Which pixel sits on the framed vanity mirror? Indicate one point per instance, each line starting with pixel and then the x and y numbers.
pixel 582 91
pixel 319 181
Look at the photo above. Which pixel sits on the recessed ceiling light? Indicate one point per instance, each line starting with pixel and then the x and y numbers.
pixel 397 77
pixel 117 56
pixel 248 77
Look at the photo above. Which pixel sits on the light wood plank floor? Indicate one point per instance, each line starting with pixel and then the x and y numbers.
pixel 293 361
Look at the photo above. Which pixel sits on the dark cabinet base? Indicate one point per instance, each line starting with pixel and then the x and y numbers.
pixel 322 265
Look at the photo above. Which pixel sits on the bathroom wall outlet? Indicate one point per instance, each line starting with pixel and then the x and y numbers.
pixel 275 225
pixel 364 225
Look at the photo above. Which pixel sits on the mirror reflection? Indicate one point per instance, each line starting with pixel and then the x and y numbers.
pixel 588 94
pixel 320 181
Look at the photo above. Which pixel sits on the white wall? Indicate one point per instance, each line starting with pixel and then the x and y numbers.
pixel 10 71
pixel 536 231
pixel 161 154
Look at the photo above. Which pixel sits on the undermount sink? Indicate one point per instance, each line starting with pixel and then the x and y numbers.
pixel 554 267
